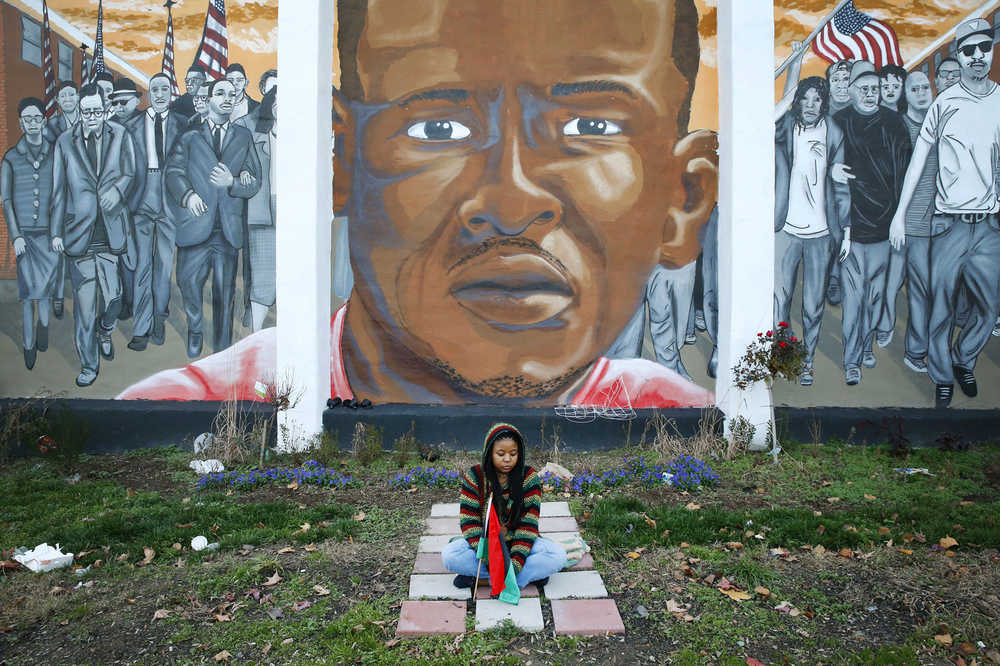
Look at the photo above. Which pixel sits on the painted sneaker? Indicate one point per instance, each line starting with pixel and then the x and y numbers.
pixel 883 338
pixel 966 381
pixel 869 360
pixel 853 376
pixel 915 364
pixel 806 378
pixel 996 328
pixel 942 395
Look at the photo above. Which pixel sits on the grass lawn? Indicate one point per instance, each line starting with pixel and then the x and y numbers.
pixel 828 557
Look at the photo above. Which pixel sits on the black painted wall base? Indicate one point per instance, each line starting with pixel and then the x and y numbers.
pixel 117 425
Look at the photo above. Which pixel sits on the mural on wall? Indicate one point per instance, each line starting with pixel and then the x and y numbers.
pixel 124 197
pixel 518 183
pixel 887 162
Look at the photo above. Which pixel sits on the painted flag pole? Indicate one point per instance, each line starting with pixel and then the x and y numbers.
pixel 809 39
pixel 48 74
pixel 98 65
pixel 479 569
pixel 167 65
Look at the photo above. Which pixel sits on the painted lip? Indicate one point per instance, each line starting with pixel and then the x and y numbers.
pixel 513 289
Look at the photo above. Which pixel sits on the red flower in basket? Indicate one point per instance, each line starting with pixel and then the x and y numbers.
pixel 770 333
pixel 782 324
pixel 782 344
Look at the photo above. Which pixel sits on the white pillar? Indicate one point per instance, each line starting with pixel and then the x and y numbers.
pixel 746 198
pixel 305 210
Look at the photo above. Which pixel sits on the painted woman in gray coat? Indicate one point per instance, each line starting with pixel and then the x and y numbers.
pixel 26 190
pixel 261 213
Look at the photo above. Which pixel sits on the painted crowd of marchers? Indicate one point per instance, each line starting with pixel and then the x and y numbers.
pixel 884 178
pixel 116 206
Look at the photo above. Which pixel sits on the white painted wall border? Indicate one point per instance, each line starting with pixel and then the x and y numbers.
pixel 305 211
pixel 746 198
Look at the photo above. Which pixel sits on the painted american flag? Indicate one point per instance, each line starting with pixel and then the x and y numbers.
pixel 48 73
pixel 168 51
pixel 213 52
pixel 98 64
pixel 854 35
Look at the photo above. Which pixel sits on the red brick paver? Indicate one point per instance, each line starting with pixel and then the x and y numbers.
pixel 586 617
pixel 428 618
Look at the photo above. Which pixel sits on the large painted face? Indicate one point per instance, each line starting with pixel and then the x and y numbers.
pixel 811 103
pixel 68 100
pixel 892 89
pixel 159 94
pixel 864 94
pixel 840 86
pixel 32 122
pixel 512 184
pixel 975 55
pixel 220 100
pixel 918 91
pixel 948 74
pixel 91 112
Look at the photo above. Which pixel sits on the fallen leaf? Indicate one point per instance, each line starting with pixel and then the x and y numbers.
pixel 947 542
pixel 183 526
pixel 632 555
pixel 870 497
pixel 186 500
pixel 753 662
pixel 821 529
pixel 819 550
pixel 222 656
pixel 287 641
pixel 273 580
pixel 309 548
pixel 161 614
pixel 993 655
pixel 392 642
pixel 724 584
pixel 267 648
pixel 58 590
pixel 320 590
pixel 907 537
pixel 967 648
pixel 674 607
pixel 122 557
pixel 684 544
pixel 737 595
pixel 884 530
pixel 303 529
pixel 846 553
pixel 832 500
pixel 294 485
pixel 149 555
pixel 826 484
pixel 275 613
pixel 412 489
pixel 944 639
pixel 905 551
pixel 285 551
pixel 301 605
pixel 649 521
pixel 734 545
pixel 359 516
pixel 786 607
pixel 691 506
pixel 762 591
pixel 177 546
pixel 222 617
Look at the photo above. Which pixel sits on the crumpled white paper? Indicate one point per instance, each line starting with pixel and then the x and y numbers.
pixel 207 466
pixel 44 557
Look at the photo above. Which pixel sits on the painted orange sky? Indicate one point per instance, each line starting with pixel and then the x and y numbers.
pixel 134 30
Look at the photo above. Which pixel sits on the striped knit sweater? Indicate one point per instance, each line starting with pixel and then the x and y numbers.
pixel 521 531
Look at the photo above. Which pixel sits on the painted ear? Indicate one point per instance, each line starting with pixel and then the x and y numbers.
pixel 698 152
pixel 343 151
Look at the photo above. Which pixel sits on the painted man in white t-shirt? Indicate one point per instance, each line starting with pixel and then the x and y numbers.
pixel 811 208
pixel 964 124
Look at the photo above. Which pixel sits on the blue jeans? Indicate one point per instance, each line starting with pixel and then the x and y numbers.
pixel 546 558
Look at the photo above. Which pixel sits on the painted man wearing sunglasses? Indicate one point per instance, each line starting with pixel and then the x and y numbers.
pixel 963 123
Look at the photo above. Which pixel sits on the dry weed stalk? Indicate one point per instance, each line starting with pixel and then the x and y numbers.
pixel 231 432
pixel 282 394
pixel 668 442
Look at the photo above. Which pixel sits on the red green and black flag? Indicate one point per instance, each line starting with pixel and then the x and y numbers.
pixel 493 549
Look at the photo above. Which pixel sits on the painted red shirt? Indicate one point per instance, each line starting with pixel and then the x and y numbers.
pixel 233 373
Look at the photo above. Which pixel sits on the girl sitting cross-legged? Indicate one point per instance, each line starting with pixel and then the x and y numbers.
pixel 516 494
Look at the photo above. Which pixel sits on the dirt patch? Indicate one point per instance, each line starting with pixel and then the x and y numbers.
pixel 140 473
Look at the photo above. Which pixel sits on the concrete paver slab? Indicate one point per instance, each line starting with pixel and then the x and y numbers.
pixel 575 584
pixel 586 562
pixel 558 524
pixel 444 510
pixel 442 526
pixel 553 509
pixel 526 616
pixel 436 586
pixel 434 543
pixel 428 618
pixel 484 590
pixel 586 617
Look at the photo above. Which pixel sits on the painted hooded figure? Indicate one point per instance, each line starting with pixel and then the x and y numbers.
pixel 499 521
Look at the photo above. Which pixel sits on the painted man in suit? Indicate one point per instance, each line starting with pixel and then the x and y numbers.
pixel 154 132
pixel 195 78
pixel 208 201
pixel 93 168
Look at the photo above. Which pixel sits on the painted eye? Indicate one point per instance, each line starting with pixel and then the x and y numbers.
pixel 590 127
pixel 438 130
